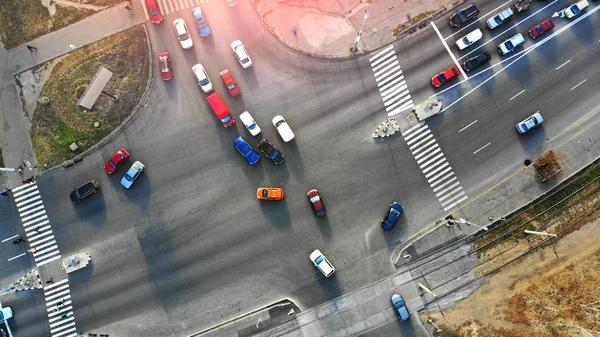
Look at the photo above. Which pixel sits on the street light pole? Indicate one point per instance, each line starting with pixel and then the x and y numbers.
pixel 552 236
pixel 359 34
pixel 465 222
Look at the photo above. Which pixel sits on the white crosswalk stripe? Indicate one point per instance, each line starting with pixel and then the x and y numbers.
pixel 390 80
pixel 41 238
pixel 435 167
pixel 171 6
pixel 60 310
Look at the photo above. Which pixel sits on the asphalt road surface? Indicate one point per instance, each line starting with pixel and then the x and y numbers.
pixel 189 245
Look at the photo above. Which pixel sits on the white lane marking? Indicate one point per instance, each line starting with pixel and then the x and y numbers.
pixel 580 83
pixel 483 147
pixel 522 91
pixel 506 30
pixel 385 50
pixel 400 109
pixel 562 65
pixel 145 10
pixel 467 126
pixel 386 61
pixel 523 54
pixel 448 49
pixel 474 22
pixel 446 208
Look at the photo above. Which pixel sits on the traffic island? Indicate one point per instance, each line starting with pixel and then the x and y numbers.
pixel 50 95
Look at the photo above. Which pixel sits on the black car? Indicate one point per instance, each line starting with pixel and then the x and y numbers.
pixel 476 61
pixel 84 191
pixel 271 151
pixel 463 15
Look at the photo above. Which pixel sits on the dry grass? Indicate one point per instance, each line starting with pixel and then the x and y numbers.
pixel 401 27
pixel 62 122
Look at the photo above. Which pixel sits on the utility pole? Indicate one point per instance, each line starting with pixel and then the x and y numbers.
pixel 359 34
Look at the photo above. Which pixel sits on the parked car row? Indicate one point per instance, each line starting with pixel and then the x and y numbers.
pixel 507 46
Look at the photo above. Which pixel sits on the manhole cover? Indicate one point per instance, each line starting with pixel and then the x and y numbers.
pixel 527 162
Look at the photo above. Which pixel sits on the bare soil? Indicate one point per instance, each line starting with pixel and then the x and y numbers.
pixel 521 300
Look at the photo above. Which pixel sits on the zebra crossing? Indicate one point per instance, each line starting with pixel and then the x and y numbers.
pixel 60 310
pixel 45 250
pixel 36 224
pixel 435 167
pixel 390 80
pixel 170 6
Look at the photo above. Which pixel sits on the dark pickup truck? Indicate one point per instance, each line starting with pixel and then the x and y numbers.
pixel 521 5
pixel 85 190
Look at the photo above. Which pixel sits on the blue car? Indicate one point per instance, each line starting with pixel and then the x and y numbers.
pixel 132 174
pixel 390 218
pixel 246 150
pixel 398 303
pixel 201 22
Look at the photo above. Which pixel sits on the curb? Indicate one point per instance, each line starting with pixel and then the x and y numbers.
pixel 143 99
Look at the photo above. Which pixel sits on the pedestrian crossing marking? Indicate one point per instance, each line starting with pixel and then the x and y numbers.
pixel 390 81
pixel 435 167
pixel 41 239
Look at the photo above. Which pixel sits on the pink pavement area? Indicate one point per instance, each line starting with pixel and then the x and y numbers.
pixel 330 27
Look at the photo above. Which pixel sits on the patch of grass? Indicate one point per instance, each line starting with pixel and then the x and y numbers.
pixel 107 3
pixel 411 22
pixel 24 20
pixel 56 125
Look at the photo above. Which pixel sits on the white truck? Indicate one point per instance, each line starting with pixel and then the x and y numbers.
pixel 5 314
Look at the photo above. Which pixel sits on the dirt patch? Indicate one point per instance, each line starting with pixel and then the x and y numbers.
pixel 24 20
pixel 61 122
pixel 552 291
pixel 539 296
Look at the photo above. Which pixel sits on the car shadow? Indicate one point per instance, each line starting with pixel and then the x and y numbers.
pixel 140 191
pixel 533 141
pixel 92 210
pixel 276 212
pixel 323 223
pixel 583 29
pixel 294 159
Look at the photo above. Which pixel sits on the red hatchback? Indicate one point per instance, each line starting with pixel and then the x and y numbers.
pixel 541 28
pixel 317 203
pixel 153 11
pixel 164 62
pixel 445 75
pixel 116 160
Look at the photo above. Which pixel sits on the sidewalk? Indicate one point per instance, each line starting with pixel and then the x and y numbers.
pixel 16 143
pixel 328 28
pixel 353 314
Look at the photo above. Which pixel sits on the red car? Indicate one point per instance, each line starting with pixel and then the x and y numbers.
pixel 116 160
pixel 445 75
pixel 164 61
pixel 541 28
pixel 153 11
pixel 317 203
pixel 227 78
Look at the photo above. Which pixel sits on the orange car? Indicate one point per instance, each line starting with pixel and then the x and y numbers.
pixel 269 193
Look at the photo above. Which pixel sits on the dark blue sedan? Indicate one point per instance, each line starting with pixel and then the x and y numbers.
pixel 246 150
pixel 390 218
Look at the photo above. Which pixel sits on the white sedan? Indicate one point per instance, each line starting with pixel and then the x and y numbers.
pixel 283 128
pixel 250 123
pixel 469 39
pixel 202 78
pixel 183 34
pixel 321 262
pixel 132 174
pixel 529 123
pixel 241 54
pixel 575 8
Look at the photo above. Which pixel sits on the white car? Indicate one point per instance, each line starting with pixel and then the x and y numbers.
pixel 5 314
pixel 283 128
pixel 242 55
pixel 202 78
pixel 575 8
pixel 183 34
pixel 469 39
pixel 499 18
pixel 249 123
pixel 321 262
pixel 511 44
pixel 529 123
